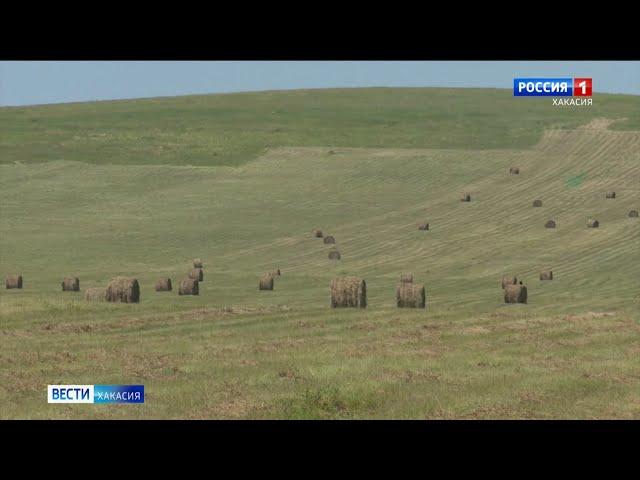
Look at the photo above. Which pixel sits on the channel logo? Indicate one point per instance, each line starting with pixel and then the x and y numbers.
pixel 95 393
pixel 552 87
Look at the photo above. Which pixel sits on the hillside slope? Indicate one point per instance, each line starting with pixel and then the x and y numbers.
pixel 233 129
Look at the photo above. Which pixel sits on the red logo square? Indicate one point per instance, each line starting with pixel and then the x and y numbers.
pixel 582 87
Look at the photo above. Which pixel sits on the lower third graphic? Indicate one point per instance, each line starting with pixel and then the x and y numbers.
pixel 95 393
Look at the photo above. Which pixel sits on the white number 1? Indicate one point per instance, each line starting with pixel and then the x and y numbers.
pixel 583 86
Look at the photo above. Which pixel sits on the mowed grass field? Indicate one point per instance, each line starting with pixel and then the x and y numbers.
pixel 365 166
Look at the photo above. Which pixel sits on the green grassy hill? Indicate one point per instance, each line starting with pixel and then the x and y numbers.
pixel 141 187
pixel 234 129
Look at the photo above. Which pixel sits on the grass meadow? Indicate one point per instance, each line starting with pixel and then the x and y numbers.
pixel 140 188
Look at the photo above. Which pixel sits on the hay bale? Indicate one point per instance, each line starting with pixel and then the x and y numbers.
pixel 188 286
pixel 610 195
pixel 537 203
pixel 13 281
pixel 411 295
pixel 70 284
pixel 329 239
pixel 406 278
pixel 197 263
pixel 163 285
pixel 196 274
pixel 423 226
pixel 550 224
pixel 515 294
pixel 509 280
pixel 266 282
pixel 465 198
pixel 348 292
pixel 633 213
pixel 593 223
pixel 95 294
pixel 514 171
pixel 317 233
pixel 123 290
pixel 546 275
pixel 334 255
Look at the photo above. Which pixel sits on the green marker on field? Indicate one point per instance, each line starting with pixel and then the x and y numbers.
pixel 576 180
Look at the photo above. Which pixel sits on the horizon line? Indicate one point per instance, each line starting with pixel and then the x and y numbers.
pixel 234 92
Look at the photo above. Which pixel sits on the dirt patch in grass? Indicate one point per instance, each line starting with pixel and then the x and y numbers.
pixel 426 352
pixel 587 316
pixel 431 326
pixel 496 411
pixel 475 330
pixel 235 408
pixel 68 327
pixel 149 366
pixel 361 350
pixel 410 336
pixel 315 324
pixel 530 397
pixel 363 326
pixel 634 350
pixel 409 376
pixel 231 408
pixel 623 379
pixel 30 358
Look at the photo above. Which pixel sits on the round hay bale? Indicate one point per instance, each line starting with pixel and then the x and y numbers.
pixel 633 213
pixel 266 282
pixel 537 203
pixel 95 294
pixel 593 223
pixel 348 292
pixel 197 263
pixel 329 239
pixel 196 274
pixel 411 295
pixel 610 195
pixel 13 281
pixel 163 285
pixel 515 294
pixel 465 198
pixel 514 171
pixel 423 226
pixel 509 280
pixel 317 233
pixel 550 224
pixel 334 255
pixel 70 284
pixel 188 286
pixel 406 278
pixel 123 290
pixel 546 275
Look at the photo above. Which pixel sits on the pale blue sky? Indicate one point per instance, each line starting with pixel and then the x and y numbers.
pixel 28 83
